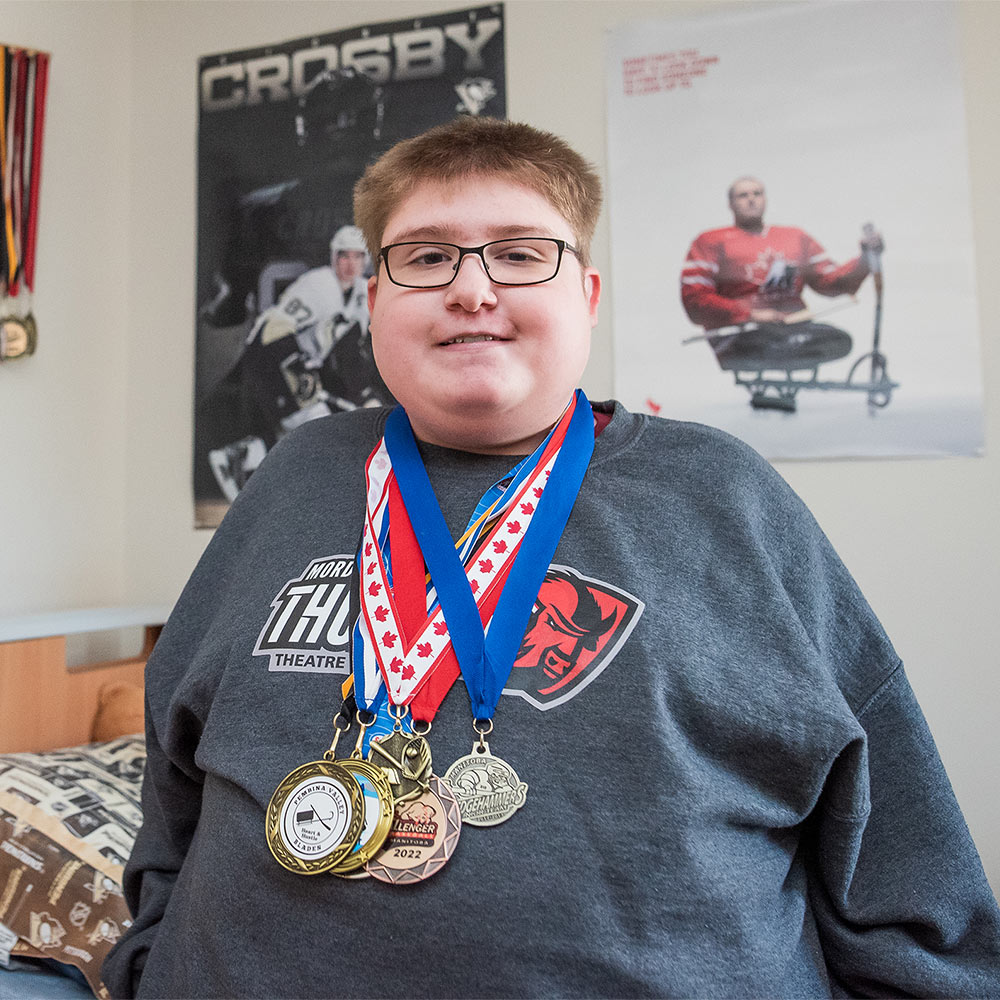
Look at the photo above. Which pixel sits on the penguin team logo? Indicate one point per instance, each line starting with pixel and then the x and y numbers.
pixel 475 94
pixel 309 629
pixel 576 628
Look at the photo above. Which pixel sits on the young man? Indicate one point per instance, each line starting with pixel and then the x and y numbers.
pixel 707 776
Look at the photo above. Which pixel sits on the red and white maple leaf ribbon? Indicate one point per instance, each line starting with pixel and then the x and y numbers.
pixel 403 667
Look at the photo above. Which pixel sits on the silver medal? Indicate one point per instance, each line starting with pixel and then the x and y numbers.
pixel 487 787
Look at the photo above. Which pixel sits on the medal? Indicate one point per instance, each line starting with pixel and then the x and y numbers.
pixel 405 758
pixel 378 808
pixel 509 567
pixel 18 336
pixel 316 814
pixel 423 837
pixel 487 787
pixel 315 817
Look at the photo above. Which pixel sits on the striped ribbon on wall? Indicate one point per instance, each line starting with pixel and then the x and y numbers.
pixel 23 89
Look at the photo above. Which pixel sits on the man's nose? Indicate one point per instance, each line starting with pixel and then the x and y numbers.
pixel 472 288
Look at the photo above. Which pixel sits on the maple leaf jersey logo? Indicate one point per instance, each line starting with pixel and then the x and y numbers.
pixel 772 273
pixel 577 625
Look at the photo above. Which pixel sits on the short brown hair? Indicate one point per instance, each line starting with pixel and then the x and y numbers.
pixel 469 147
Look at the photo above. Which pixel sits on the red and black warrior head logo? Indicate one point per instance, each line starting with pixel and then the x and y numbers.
pixel 577 625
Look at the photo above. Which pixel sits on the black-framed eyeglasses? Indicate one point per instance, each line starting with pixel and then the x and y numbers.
pixel 524 261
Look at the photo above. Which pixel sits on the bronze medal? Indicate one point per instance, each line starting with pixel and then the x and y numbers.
pixel 423 837
pixel 487 787
pixel 378 811
pixel 315 817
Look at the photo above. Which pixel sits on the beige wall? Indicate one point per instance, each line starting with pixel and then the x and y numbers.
pixel 63 412
pixel 94 475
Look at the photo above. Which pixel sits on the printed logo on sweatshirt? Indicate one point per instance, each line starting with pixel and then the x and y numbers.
pixel 576 628
pixel 309 627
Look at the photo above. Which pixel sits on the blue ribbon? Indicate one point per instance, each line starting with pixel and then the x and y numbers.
pixel 486 660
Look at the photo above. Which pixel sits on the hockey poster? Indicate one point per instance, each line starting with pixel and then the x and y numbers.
pixel 284 131
pixel 791 233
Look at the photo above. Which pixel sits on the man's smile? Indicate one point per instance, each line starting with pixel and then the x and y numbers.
pixel 471 338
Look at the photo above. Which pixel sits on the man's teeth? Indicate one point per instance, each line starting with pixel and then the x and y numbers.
pixel 475 339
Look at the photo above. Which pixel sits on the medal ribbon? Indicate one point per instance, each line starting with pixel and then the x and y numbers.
pixel 402 659
pixel 509 567
pixel 6 130
pixel 23 90
pixel 396 638
pixel 38 128
pixel 17 163
pixel 413 591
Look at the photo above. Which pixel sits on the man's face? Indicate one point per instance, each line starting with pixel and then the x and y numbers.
pixel 479 366
pixel 348 265
pixel 748 201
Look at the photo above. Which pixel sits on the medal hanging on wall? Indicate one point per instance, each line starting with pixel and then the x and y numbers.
pixel 23 90
pixel 499 586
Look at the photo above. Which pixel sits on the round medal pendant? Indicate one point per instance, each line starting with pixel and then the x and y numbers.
pixel 423 837
pixel 487 787
pixel 378 812
pixel 18 336
pixel 315 817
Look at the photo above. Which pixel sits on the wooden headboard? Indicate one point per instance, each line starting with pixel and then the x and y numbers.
pixel 43 703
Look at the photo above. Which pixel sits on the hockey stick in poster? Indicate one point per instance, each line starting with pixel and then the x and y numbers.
pixel 881 391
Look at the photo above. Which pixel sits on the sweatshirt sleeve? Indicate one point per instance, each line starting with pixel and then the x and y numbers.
pixel 171 803
pixel 181 677
pixel 902 902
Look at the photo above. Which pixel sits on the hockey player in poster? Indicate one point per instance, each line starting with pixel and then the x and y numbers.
pixel 752 273
pixel 306 356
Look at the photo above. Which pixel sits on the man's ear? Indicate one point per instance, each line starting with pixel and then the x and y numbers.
pixel 372 288
pixel 592 291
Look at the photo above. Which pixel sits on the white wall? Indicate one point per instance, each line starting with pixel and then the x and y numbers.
pixel 63 411
pixel 99 490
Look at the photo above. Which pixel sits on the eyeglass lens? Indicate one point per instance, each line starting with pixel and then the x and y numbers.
pixel 511 262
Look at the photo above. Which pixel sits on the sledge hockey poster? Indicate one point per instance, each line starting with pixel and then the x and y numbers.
pixel 284 131
pixel 834 116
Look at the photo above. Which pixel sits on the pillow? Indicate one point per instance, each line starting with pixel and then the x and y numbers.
pixel 68 819
pixel 120 711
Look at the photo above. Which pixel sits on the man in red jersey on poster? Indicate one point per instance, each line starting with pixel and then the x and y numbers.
pixel 751 275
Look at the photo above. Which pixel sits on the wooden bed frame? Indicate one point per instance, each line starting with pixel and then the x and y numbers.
pixel 44 704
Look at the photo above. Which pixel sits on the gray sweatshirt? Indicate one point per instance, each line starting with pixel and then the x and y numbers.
pixel 732 791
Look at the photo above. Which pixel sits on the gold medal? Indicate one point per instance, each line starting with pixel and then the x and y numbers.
pixel 378 809
pixel 488 789
pixel 423 837
pixel 18 336
pixel 406 760
pixel 315 817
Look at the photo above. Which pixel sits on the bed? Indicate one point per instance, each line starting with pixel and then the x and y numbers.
pixel 71 761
